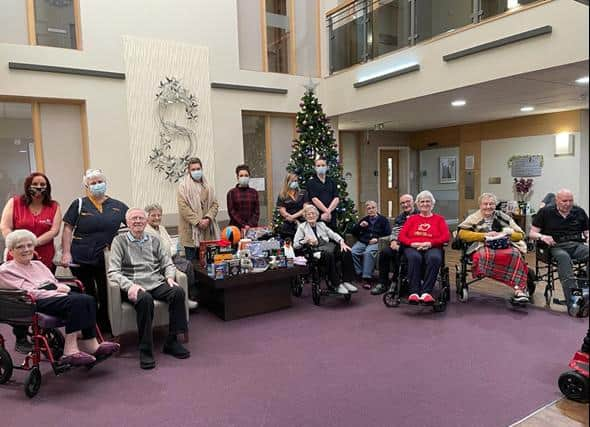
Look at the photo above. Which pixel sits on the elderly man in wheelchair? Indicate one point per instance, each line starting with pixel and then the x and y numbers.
pixel 51 304
pixel 327 248
pixel 494 243
pixel 561 232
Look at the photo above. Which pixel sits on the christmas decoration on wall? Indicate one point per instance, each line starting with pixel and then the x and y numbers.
pixel 316 139
pixel 170 94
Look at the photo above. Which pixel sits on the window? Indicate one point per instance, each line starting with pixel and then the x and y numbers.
pixel 254 137
pixel 278 33
pixel 56 23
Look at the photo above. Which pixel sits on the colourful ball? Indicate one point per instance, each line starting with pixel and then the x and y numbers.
pixel 232 234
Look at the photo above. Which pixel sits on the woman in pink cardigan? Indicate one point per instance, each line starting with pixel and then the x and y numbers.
pixel 55 299
pixel 423 236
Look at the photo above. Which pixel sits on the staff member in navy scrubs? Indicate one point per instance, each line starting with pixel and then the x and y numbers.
pixel 323 193
pixel 87 231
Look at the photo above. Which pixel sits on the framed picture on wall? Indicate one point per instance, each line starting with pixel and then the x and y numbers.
pixel 447 169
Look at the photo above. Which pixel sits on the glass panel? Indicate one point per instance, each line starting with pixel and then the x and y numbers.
pixel 253 134
pixel 55 23
pixel 491 8
pixel 16 147
pixel 277 36
pixel 249 37
pixel 439 16
pixel 389 26
pixel 306 42
pixel 390 208
pixel 390 173
pixel 347 45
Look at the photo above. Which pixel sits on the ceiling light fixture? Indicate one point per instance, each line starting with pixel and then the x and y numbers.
pixel 582 80
pixel 527 108
pixel 458 103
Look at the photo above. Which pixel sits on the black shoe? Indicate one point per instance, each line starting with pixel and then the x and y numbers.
pixel 146 360
pixel 378 289
pixel 176 349
pixel 23 345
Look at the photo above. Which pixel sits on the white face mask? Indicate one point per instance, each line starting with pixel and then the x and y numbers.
pixel 243 181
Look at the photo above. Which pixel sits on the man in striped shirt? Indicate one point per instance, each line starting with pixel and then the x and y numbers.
pixel 390 256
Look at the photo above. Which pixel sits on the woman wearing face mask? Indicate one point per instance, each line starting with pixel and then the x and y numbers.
pixel 89 227
pixel 290 204
pixel 242 201
pixel 197 208
pixel 322 192
pixel 37 212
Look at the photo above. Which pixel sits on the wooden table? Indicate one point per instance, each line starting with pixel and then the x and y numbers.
pixel 247 294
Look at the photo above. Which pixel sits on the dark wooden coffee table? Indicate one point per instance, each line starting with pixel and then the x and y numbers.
pixel 247 294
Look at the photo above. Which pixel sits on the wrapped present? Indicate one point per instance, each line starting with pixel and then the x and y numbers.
pixel 217 244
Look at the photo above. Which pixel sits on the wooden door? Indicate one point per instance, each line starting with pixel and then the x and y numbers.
pixel 389 182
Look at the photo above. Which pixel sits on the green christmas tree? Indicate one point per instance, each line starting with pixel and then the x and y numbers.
pixel 316 139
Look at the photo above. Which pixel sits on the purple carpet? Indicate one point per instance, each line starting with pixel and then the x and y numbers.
pixel 362 364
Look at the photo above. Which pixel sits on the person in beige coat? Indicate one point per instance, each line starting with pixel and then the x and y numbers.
pixel 197 209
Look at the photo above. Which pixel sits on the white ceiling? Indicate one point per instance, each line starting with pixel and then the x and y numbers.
pixel 14 110
pixel 549 91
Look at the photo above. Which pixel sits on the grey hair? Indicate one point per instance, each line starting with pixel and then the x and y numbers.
pixel 93 173
pixel 154 207
pixel 487 196
pixel 371 202
pixel 311 208
pixel 17 236
pixel 425 195
pixel 130 210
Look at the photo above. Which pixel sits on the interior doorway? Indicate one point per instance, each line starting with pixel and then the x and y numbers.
pixel 389 178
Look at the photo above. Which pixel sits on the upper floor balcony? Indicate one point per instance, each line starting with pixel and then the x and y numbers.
pixel 362 30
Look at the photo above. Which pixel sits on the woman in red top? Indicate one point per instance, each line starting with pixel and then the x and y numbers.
pixel 423 236
pixel 37 212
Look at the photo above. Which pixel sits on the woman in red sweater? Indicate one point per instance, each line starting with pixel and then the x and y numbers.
pixel 423 236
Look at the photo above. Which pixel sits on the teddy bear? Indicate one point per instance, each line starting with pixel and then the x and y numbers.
pixel 246 265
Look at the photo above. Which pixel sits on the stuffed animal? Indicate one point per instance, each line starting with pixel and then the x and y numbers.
pixel 245 261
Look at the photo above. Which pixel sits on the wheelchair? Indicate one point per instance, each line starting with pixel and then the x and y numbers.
pixel 546 269
pixel 462 271
pixel 393 297
pixel 320 285
pixel 18 308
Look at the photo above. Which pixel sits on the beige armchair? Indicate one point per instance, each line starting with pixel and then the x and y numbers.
pixel 122 314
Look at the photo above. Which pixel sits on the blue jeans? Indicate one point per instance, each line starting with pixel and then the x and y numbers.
pixel 364 258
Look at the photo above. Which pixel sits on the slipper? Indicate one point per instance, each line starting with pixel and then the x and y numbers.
pixel 106 348
pixel 78 359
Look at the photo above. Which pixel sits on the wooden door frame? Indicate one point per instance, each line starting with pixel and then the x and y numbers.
pixel 403 151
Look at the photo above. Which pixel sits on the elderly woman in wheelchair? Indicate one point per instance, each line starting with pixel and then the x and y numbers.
pixel 423 236
pixel 494 243
pixel 76 310
pixel 327 247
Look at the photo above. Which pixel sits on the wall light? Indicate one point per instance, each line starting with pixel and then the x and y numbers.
pixel 527 108
pixel 564 144
pixel 458 103
pixel 582 80
pixel 511 4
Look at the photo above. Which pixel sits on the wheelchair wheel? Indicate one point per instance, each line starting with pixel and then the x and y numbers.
pixel 347 297
pixel 56 342
pixel 463 295
pixel 439 306
pixel 297 286
pixel 33 382
pixel 316 294
pixel 548 295
pixel 574 386
pixel 391 299
pixel 5 365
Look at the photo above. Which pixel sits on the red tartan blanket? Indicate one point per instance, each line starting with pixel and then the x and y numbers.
pixel 504 265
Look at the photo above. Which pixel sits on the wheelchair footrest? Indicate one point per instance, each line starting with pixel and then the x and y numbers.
pixel 559 301
pixel 60 368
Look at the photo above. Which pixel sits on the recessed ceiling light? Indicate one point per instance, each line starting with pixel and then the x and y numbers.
pixel 458 103
pixel 527 108
pixel 582 80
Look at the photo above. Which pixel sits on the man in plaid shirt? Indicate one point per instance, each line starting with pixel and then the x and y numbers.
pixel 242 201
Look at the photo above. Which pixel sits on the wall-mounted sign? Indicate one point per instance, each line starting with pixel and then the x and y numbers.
pixel 526 165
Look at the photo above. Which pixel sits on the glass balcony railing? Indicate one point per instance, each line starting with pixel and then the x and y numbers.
pixel 362 30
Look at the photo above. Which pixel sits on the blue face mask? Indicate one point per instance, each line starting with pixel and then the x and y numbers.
pixel 294 185
pixel 197 175
pixel 321 170
pixel 98 190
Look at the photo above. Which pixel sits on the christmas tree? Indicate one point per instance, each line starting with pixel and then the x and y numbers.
pixel 316 139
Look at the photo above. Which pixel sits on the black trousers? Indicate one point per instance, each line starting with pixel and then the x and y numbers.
pixel 77 310
pixel 187 268
pixel 144 307
pixel 336 261
pixel 94 279
pixel 389 261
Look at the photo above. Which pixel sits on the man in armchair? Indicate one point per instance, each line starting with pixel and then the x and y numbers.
pixel 142 268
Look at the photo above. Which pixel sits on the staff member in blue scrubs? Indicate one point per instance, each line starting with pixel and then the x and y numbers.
pixel 88 229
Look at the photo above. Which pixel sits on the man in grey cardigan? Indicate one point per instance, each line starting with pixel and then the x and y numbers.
pixel 143 269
